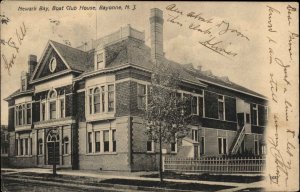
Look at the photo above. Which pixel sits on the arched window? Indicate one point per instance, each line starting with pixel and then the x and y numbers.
pixel 52 94
pixel 40 148
pixel 52 104
pixel 53 137
pixel 66 145
pixel 96 100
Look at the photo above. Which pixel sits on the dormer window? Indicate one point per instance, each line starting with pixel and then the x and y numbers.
pixel 23 82
pixel 100 60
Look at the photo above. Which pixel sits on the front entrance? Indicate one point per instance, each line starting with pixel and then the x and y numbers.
pixel 53 147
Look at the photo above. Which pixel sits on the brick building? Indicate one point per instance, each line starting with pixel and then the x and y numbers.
pixel 81 108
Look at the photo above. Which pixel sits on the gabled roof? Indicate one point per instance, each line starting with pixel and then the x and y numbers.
pixel 74 59
pixel 77 60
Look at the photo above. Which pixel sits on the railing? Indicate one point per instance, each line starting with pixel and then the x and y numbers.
pixel 216 164
pixel 237 142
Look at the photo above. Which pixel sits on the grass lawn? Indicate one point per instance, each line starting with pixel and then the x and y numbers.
pixel 167 185
pixel 209 177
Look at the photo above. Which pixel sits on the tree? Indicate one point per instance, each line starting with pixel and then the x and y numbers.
pixel 166 115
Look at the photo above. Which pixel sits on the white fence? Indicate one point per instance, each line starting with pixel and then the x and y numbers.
pixel 215 165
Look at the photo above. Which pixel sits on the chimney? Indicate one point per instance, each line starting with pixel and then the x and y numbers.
pixel 156 34
pixel 32 62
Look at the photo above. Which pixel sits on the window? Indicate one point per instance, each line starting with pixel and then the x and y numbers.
pixel 103 98
pixel 221 106
pixel 17 147
pixel 96 100
pixel 40 149
pixel 52 109
pixel 195 135
pixel 97 141
pixel 150 146
pixel 256 148
pixel 52 64
pixel 247 118
pixel 254 115
pixel 100 59
pixel 28 113
pixel 23 82
pixel 222 145
pixel 200 106
pixel 43 111
pixel 202 146
pixel 141 96
pixel 17 115
pixel 106 141
pixel 21 147
pixel 26 146
pixel 266 113
pixel 114 140
pixel 194 105
pixel 62 108
pixel 102 141
pixel 111 98
pixel 91 101
pixel 66 146
pixel 173 147
pixel 20 115
pixel 90 144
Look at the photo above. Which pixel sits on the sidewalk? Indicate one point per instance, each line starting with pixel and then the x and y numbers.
pixel 102 175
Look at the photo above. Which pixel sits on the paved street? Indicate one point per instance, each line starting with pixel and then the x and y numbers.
pixel 73 180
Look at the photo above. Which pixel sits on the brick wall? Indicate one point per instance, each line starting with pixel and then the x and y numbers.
pixel 106 161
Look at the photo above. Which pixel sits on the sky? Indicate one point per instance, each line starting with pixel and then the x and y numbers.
pixel 180 43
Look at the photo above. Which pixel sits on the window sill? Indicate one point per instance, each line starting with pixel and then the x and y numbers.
pixel 101 153
pixel 66 155
pixel 24 156
pixel 40 155
pixel 151 152
pixel 100 116
pixel 173 152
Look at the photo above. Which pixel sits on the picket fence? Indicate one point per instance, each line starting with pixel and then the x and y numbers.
pixel 216 164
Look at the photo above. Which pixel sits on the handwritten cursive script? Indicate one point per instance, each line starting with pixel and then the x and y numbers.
pixel 14 43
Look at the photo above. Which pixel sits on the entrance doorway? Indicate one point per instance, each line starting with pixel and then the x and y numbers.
pixel 53 147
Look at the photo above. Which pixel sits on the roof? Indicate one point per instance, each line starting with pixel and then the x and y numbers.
pixel 75 58
pixel 18 93
pixel 134 52
pixel 208 77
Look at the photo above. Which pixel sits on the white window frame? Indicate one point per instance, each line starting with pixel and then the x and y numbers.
pixel 203 144
pixel 255 108
pixel 24 114
pixel 93 142
pixel 222 145
pixel 88 94
pixel 193 135
pixel 152 146
pixel 223 101
pixel 97 64
pixel 40 152
pixel 256 139
pixel 146 95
